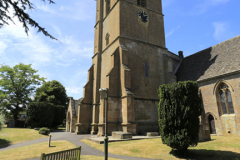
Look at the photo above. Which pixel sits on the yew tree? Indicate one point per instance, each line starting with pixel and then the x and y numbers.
pixel 17 86
pixel 179 110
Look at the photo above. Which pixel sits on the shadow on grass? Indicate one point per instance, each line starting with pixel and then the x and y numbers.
pixel 206 154
pixel 207 141
pixel 4 143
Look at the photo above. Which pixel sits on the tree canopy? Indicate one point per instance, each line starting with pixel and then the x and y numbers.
pixel 20 8
pixel 52 92
pixel 17 85
pixel 1 121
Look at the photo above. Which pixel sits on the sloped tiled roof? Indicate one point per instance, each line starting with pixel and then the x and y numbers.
pixel 76 102
pixel 217 60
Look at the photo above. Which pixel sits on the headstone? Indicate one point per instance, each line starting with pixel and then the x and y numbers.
pixel 121 135
pixel 11 123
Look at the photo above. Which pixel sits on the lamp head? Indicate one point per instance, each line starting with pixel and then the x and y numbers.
pixel 103 93
pixel 102 89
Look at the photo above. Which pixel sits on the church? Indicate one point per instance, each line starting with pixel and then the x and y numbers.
pixel 131 60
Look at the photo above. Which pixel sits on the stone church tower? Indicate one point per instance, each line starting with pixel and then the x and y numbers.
pixel 131 60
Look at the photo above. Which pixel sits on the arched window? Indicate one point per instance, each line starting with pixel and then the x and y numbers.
pixel 107 39
pixel 141 3
pixel 225 99
pixel 146 69
pixel 108 6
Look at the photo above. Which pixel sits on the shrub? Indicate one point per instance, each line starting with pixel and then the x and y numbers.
pixel 44 131
pixel 179 110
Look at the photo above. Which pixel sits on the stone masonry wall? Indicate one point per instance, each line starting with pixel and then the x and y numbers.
pixel 228 125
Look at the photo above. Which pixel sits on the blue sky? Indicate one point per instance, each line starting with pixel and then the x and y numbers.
pixel 190 26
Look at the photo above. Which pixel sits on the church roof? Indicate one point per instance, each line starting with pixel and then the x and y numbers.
pixel 76 102
pixel 217 60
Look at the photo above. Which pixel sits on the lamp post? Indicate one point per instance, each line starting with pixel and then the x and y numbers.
pixel 104 95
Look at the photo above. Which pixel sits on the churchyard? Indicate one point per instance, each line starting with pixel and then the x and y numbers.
pixel 18 135
pixel 218 148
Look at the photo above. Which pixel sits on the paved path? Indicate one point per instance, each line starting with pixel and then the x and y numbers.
pixel 75 139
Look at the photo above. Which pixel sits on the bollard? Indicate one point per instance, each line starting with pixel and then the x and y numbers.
pixel 49 140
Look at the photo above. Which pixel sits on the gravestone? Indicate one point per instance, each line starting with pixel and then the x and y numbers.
pixel 121 135
pixel 11 123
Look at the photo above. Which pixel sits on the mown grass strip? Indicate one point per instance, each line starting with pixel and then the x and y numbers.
pixel 17 135
pixel 218 148
pixel 35 150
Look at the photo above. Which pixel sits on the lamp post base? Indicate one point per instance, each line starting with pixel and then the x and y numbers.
pixel 105 148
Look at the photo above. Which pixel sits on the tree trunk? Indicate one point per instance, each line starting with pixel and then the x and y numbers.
pixel 15 116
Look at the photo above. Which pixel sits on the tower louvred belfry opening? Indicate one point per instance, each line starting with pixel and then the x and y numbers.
pixel 141 3
pixel 131 63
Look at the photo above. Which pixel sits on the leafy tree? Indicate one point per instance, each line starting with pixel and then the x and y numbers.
pixel 179 111
pixel 1 121
pixel 20 8
pixel 17 85
pixel 40 114
pixel 54 92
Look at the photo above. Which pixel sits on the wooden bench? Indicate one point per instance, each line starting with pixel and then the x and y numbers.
pixel 70 154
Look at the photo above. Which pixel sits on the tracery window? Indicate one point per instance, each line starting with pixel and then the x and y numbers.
pixel 141 3
pixel 107 39
pixel 146 69
pixel 225 99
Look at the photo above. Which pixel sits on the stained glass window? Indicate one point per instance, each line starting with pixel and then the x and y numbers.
pixel 224 107
pixel 226 99
pixel 223 86
pixel 230 104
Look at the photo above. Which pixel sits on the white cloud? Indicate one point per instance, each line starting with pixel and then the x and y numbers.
pixel 3 46
pixel 38 51
pixel 78 10
pixel 45 74
pixel 73 47
pixel 57 30
pixel 172 31
pixel 204 5
pixel 220 29
pixel 166 3
pixel 46 8
pixel 81 10
pixel 74 90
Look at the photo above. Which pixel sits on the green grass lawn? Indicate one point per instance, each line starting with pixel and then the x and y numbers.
pixel 35 150
pixel 17 135
pixel 222 148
